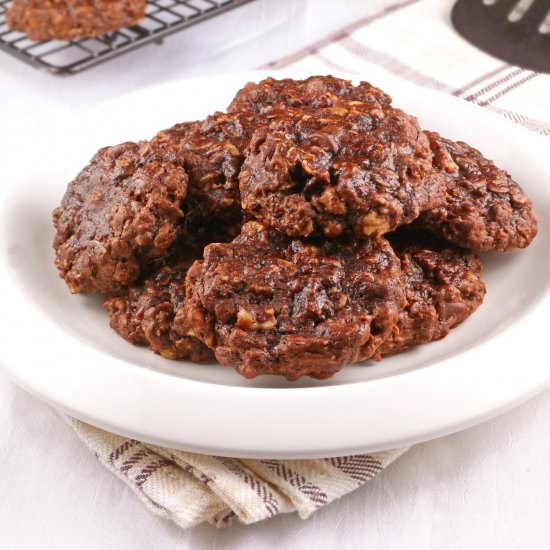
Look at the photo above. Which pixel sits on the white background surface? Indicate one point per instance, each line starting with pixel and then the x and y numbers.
pixel 487 487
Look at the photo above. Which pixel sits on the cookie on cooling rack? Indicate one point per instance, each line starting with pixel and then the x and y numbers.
pixel 70 19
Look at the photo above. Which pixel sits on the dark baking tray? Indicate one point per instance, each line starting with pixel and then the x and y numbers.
pixel 163 17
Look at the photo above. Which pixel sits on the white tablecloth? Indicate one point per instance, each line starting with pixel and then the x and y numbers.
pixel 484 488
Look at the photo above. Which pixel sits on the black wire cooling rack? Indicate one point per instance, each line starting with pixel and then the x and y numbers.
pixel 163 17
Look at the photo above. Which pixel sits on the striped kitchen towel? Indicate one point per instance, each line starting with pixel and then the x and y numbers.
pixel 190 488
pixel 413 40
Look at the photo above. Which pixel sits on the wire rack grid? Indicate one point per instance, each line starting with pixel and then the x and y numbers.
pixel 163 17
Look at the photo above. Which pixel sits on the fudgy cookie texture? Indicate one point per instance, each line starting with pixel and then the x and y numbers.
pixel 69 19
pixel 209 208
pixel 255 237
pixel 312 93
pixel 443 287
pixel 122 211
pixel 341 165
pixel 213 151
pixel 484 208
pixel 145 315
pixel 267 304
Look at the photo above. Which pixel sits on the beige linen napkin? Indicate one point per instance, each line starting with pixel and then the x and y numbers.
pixel 412 40
pixel 190 488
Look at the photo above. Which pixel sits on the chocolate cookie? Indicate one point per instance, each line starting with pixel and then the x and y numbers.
pixel 352 167
pixel 145 315
pixel 70 19
pixel 213 151
pixel 122 211
pixel 312 93
pixel 484 208
pixel 267 304
pixel 443 287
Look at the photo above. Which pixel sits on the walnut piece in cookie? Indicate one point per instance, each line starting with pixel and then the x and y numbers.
pixel 267 304
pixel 340 166
pixel 122 211
pixel 443 287
pixel 145 315
pixel 484 208
pixel 70 19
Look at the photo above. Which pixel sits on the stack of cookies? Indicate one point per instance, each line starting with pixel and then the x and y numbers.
pixel 310 226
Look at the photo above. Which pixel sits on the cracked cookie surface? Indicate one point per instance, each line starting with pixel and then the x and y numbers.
pixel 345 161
pixel 267 304
pixel 122 211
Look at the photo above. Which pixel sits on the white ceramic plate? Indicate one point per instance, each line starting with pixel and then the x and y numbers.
pixel 60 348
